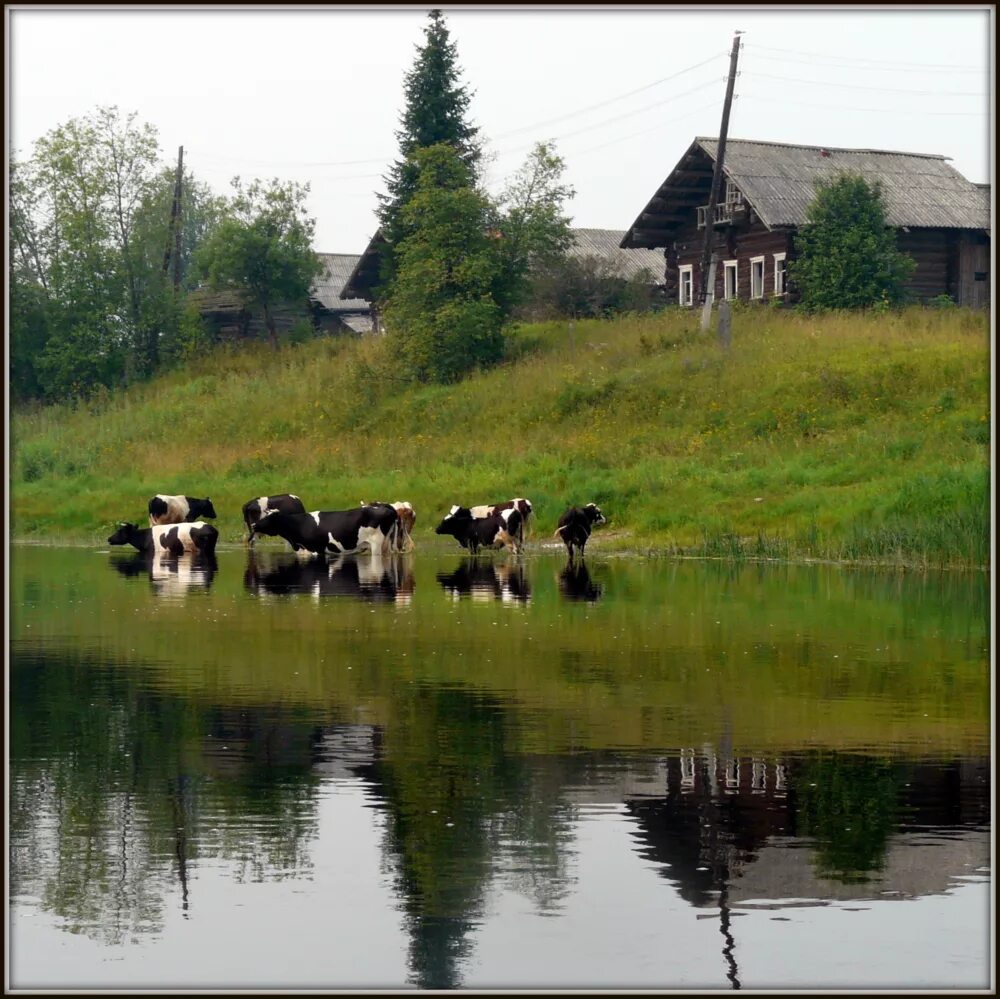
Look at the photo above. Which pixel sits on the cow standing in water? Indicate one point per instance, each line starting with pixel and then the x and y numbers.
pixel 167 539
pixel 178 509
pixel 254 509
pixel 471 532
pixel 335 532
pixel 520 504
pixel 576 524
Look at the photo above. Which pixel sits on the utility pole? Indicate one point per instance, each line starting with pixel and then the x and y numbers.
pixel 706 279
pixel 174 232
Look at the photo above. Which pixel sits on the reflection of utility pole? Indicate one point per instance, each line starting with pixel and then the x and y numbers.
pixel 174 232
pixel 707 274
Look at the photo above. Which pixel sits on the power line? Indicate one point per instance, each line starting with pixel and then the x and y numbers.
pixel 610 100
pixel 856 61
pixel 844 107
pixel 646 131
pixel 852 86
pixel 835 63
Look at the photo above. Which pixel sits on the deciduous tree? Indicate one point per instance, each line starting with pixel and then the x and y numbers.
pixel 263 246
pixel 846 254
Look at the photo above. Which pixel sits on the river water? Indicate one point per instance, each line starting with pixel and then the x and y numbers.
pixel 435 772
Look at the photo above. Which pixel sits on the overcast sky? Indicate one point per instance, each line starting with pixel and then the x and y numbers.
pixel 314 94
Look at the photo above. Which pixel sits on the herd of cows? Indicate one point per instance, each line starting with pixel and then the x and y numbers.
pixel 176 526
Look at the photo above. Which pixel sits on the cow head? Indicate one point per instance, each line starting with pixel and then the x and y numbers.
pixel 594 515
pixel 454 515
pixel 269 524
pixel 207 510
pixel 123 535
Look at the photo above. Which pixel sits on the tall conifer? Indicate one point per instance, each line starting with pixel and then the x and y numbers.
pixel 435 112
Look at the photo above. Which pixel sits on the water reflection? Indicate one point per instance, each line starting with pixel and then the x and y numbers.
pixel 170 576
pixel 147 784
pixel 485 581
pixel 373 578
pixel 575 583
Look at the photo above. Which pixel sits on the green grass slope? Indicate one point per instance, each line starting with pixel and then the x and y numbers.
pixel 850 437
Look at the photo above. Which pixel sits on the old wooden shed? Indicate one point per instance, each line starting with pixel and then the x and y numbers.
pixel 942 219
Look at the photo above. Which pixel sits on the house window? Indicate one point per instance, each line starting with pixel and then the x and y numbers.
pixel 756 277
pixel 729 279
pixel 686 284
pixel 779 273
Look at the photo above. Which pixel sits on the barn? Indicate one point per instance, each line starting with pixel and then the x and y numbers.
pixel 229 315
pixel 942 219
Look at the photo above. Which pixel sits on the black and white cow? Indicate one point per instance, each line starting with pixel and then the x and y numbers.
pixel 407 518
pixel 576 524
pixel 471 532
pixel 254 509
pixel 520 504
pixel 171 539
pixel 335 532
pixel 178 509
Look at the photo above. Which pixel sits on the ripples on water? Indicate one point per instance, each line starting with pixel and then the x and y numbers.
pixel 436 771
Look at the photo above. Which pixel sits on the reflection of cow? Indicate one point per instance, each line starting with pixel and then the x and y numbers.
pixel 170 575
pixel 178 509
pixel 173 539
pixel 335 532
pixel 471 532
pixel 576 524
pixel 174 577
pixel 575 583
pixel 254 509
pixel 375 579
pixel 486 581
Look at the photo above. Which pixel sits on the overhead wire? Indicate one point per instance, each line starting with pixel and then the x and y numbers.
pixel 857 60
pixel 853 86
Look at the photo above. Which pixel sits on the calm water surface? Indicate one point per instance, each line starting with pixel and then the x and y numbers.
pixel 434 772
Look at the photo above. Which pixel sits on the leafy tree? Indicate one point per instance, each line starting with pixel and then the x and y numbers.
pixel 435 112
pixel 89 212
pixel 535 232
pixel 441 310
pixel 263 246
pixel 846 255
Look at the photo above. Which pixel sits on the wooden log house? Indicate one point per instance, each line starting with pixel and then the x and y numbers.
pixel 942 219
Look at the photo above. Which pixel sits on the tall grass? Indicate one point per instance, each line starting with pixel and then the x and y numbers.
pixel 850 436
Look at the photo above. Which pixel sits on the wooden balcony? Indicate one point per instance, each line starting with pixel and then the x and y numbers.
pixel 724 214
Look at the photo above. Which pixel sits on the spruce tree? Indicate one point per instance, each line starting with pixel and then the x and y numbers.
pixel 435 112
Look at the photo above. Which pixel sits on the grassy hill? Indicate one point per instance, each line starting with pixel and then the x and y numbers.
pixel 844 437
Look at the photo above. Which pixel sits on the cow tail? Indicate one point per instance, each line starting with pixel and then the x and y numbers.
pixel 557 533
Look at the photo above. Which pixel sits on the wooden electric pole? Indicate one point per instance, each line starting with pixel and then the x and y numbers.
pixel 174 232
pixel 706 285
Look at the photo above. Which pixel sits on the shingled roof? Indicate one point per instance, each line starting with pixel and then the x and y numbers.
pixel 779 182
pixel 606 244
pixel 337 270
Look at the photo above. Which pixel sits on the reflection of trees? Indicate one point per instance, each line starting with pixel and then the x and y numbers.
pixel 455 789
pixel 848 805
pixel 109 805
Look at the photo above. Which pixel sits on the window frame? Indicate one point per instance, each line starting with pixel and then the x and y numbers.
pixel 757 290
pixel 783 272
pixel 685 270
pixel 727 266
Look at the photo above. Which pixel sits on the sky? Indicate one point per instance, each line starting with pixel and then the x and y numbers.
pixel 314 93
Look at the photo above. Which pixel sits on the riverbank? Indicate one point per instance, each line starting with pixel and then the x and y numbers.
pixel 842 437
